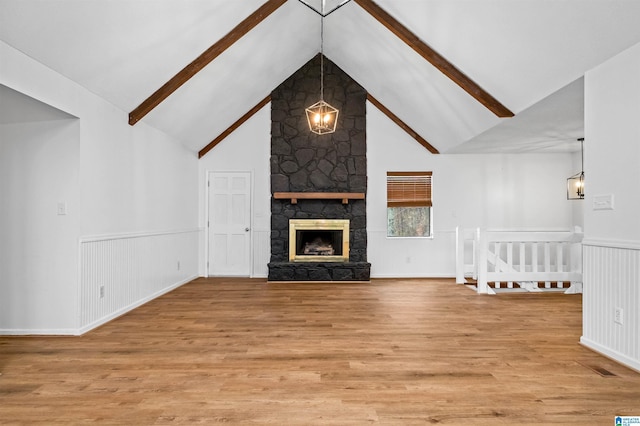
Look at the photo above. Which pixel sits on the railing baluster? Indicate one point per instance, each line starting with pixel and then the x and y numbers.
pixel 547 261
pixel 483 246
pixel 510 261
pixel 559 261
pixel 459 256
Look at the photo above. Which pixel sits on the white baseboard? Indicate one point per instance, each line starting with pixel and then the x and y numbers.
pixel 38 332
pixel 614 355
pixel 443 275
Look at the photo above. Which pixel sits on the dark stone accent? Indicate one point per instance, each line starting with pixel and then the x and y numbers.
pixel 358 145
pixel 279 222
pixel 342 274
pixel 289 167
pixel 312 271
pixel 344 149
pixel 299 180
pixel 302 161
pixel 304 155
pixel 320 274
pixel 340 173
pixel 280 147
pixel 320 180
pixel 325 166
pixel 279 183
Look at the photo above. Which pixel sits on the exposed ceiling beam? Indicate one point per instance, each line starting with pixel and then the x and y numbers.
pixel 402 125
pixel 204 59
pixel 437 60
pixel 234 126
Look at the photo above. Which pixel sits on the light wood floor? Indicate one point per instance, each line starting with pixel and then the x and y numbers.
pixel 397 352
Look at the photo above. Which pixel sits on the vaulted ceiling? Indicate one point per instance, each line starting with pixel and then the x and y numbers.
pixel 530 55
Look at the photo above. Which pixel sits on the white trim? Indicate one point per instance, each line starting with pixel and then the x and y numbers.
pixel 109 237
pixel 571 230
pixel 439 275
pixel 619 244
pixel 207 182
pixel 610 353
pixel 39 332
pixel 453 231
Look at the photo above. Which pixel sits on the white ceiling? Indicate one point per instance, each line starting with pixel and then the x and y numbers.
pixel 529 54
pixel 552 125
pixel 16 107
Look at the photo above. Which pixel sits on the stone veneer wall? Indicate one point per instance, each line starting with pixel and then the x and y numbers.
pixel 302 161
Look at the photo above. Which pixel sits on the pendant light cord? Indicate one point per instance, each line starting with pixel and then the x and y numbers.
pixel 322 55
pixel 581 155
pixel 582 152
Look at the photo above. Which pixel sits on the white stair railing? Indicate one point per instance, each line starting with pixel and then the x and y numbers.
pixel 466 252
pixel 521 257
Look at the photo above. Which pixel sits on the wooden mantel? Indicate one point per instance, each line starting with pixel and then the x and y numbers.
pixel 295 196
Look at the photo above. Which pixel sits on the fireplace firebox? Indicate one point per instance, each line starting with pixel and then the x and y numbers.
pixel 319 240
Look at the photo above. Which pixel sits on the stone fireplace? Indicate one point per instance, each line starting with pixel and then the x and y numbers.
pixel 317 180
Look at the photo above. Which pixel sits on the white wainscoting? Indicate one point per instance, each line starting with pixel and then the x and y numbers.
pixel 611 272
pixel 121 272
pixel 261 253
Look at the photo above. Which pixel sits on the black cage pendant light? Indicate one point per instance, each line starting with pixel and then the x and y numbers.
pixel 321 116
pixel 575 184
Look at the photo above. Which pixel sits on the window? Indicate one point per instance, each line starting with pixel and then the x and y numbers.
pixel 409 204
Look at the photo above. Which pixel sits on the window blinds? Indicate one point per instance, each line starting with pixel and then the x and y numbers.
pixel 409 189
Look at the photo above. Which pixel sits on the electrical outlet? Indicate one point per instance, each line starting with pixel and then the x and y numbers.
pixel 62 208
pixel 101 292
pixel 618 316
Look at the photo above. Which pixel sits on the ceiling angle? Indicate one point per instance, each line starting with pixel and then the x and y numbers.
pixel 324 8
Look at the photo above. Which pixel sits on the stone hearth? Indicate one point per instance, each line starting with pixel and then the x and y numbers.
pixel 302 161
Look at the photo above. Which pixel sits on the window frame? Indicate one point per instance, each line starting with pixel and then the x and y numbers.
pixel 408 197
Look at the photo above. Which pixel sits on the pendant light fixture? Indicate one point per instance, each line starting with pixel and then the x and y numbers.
pixel 575 184
pixel 321 116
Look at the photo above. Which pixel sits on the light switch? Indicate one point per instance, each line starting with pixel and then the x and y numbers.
pixel 603 202
pixel 62 208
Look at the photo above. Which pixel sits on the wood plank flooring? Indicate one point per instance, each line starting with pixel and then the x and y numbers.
pixel 397 352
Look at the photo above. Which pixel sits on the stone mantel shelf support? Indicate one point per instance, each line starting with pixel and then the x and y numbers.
pixel 295 196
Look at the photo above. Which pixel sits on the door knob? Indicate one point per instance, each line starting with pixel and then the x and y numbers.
pixel 246 229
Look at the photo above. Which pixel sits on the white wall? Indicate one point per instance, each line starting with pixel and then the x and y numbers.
pixel 134 179
pixel 492 191
pixel 128 181
pixel 496 191
pixel 612 147
pixel 612 236
pixel 38 247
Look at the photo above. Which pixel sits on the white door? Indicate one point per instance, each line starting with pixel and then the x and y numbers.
pixel 229 224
